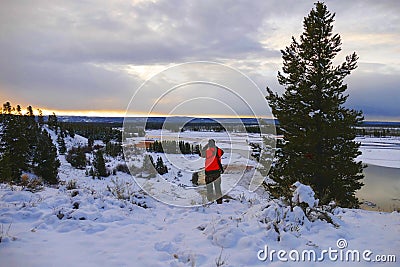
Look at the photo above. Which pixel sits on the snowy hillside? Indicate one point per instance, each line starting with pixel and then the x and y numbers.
pixel 111 222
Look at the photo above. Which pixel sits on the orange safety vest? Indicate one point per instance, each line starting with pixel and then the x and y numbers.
pixel 212 160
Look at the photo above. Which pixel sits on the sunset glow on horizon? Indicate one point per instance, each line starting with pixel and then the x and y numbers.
pixel 121 113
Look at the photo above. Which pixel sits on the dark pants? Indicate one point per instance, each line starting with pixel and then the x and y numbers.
pixel 213 183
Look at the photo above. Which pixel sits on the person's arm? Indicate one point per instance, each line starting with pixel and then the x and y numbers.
pixel 203 151
pixel 220 152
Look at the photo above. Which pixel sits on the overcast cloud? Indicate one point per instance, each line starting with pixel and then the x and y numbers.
pixel 93 55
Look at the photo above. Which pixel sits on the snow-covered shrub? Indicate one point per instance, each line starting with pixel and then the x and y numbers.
pixel 31 183
pixel 279 218
pixel 119 189
pixel 125 191
pixel 304 197
pixel 304 194
pixel 71 185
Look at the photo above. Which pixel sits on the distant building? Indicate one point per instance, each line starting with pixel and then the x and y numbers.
pixel 145 144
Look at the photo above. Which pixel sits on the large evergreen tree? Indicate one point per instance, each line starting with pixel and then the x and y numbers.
pixel 14 147
pixel 318 147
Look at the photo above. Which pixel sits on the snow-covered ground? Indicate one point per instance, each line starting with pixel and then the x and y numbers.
pixel 175 187
pixel 92 226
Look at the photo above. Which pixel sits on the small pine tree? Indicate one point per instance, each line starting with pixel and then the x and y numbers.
pixel 319 132
pixel 90 142
pixel 149 166
pixel 61 143
pixel 53 122
pixel 18 109
pixel 71 132
pixel 29 111
pixel 7 108
pixel 160 167
pixel 99 164
pixel 40 118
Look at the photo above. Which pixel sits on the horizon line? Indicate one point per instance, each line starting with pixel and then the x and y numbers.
pixel 124 113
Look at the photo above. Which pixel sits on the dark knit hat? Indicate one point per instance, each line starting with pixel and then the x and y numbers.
pixel 211 143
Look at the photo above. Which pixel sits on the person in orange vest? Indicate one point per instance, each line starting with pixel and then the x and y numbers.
pixel 213 170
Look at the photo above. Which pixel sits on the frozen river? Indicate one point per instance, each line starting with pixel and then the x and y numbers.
pixel 382 176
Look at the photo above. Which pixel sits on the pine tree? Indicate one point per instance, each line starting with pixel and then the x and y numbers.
pixel 19 110
pixel 32 132
pixel 113 149
pixel 149 166
pixel 40 118
pixel 29 112
pixel 45 161
pixel 53 122
pixel 76 157
pixel 14 146
pixel 319 147
pixel 7 108
pixel 90 142
pixel 160 167
pixel 62 148
pixel 99 164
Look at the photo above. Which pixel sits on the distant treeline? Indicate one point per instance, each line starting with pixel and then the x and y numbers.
pixel 368 131
pixel 177 127
pixel 378 131
pixel 95 130
pixel 173 147
pixel 209 127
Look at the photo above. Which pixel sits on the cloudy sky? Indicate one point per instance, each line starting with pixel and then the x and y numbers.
pixel 94 55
